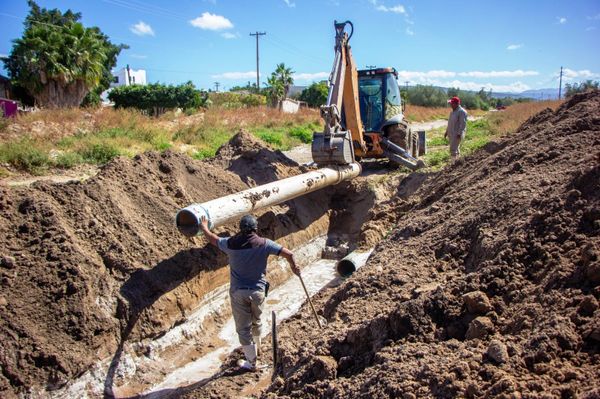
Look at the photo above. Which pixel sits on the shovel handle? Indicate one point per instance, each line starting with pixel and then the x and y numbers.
pixel 310 301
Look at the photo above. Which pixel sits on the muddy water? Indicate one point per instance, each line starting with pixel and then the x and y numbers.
pixel 156 368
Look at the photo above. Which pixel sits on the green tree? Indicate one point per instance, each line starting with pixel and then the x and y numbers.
pixel 278 84
pixel 315 95
pixel 157 98
pixel 572 89
pixel 284 77
pixel 59 61
pixel 275 90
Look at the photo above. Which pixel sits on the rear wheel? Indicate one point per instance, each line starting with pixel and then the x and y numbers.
pixel 399 134
pixel 414 151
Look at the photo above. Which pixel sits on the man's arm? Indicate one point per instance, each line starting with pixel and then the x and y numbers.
pixel 462 124
pixel 212 237
pixel 289 256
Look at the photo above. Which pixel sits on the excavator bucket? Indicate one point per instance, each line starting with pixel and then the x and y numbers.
pixel 332 149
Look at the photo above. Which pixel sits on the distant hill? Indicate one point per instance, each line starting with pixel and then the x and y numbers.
pixel 537 94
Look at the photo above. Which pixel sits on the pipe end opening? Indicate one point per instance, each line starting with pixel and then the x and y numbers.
pixel 187 223
pixel 345 268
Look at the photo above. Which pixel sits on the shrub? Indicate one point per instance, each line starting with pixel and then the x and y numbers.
pixel 156 98
pixel 99 153
pixel 68 160
pixel 304 134
pixel 273 138
pixel 25 155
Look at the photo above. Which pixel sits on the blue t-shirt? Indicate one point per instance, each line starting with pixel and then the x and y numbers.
pixel 247 267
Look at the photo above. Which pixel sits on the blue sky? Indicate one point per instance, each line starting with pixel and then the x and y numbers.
pixel 505 45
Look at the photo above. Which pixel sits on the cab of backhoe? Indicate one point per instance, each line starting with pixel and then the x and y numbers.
pixel 379 98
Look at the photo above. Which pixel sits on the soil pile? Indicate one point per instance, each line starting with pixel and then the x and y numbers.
pixel 488 286
pixel 85 267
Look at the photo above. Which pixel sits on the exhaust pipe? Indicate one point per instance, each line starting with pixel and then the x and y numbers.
pixel 222 210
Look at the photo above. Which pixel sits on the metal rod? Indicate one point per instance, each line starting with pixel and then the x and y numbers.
pixel 274 339
pixel 222 210
pixel 310 302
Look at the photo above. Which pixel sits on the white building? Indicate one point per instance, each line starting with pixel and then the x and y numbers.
pixel 125 77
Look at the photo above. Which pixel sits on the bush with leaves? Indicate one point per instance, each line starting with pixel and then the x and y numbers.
pixel 574 88
pixel 236 100
pixel 315 95
pixel 157 98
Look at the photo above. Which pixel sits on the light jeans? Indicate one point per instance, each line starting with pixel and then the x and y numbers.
pixel 455 145
pixel 247 307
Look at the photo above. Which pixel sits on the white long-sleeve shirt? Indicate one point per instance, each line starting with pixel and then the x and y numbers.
pixel 457 123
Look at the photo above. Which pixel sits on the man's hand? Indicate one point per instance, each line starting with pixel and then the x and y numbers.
pixel 204 223
pixel 289 256
pixel 295 269
pixel 212 237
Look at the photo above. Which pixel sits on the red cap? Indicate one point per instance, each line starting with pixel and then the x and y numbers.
pixel 454 100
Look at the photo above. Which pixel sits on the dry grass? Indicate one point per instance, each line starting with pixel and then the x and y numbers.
pixel 508 120
pixel 97 135
pixel 416 113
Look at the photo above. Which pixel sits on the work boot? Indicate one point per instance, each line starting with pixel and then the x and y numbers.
pixel 256 339
pixel 250 354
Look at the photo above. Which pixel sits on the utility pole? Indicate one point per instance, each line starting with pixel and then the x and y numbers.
pixel 257 34
pixel 406 85
pixel 217 84
pixel 560 83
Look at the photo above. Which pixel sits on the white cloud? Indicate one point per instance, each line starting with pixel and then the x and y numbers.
pixel 235 75
pixel 515 87
pixel 311 76
pixel 397 9
pixel 594 18
pixel 138 56
pixel 570 74
pixel 289 3
pixel 561 20
pixel 422 76
pixel 210 21
pixel 514 46
pixel 499 74
pixel 229 35
pixel 142 29
pixel 409 31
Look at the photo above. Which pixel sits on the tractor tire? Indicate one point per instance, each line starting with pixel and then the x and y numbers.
pixel 414 151
pixel 400 135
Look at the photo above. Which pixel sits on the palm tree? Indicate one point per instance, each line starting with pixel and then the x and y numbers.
pixel 58 60
pixel 284 77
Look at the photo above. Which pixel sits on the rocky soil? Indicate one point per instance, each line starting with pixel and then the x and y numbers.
pixel 87 267
pixel 488 286
pixel 484 281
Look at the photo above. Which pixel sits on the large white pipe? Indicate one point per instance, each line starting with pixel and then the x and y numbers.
pixel 222 210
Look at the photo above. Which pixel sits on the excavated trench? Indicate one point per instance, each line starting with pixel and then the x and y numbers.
pixel 193 350
pixel 106 298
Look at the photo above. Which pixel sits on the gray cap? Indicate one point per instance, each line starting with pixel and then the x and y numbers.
pixel 248 224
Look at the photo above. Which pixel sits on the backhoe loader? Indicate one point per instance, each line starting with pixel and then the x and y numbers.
pixel 364 114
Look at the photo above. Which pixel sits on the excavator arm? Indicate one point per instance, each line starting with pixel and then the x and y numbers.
pixel 335 145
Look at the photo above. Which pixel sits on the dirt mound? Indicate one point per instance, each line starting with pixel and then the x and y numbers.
pixel 250 158
pixel 489 285
pixel 85 267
